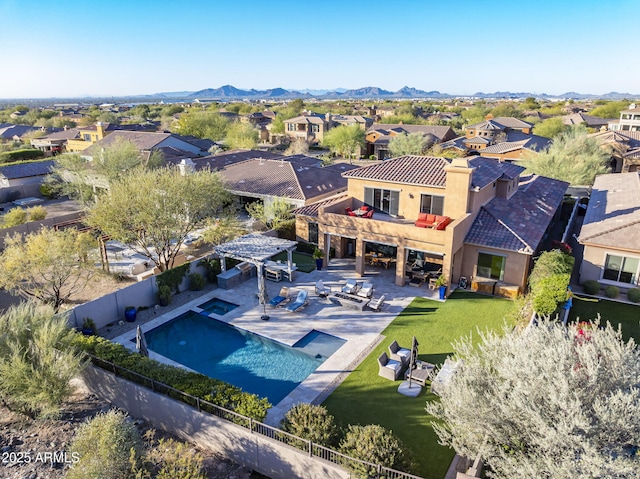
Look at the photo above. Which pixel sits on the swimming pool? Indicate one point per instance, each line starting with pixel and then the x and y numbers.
pixel 254 363
pixel 218 306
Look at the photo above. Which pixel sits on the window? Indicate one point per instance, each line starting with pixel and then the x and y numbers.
pixel 491 266
pixel 313 233
pixel 86 137
pixel 432 204
pixel 291 127
pixel 620 269
pixel 382 200
pixel 315 128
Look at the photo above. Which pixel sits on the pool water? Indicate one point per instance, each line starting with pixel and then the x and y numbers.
pixel 254 363
pixel 218 306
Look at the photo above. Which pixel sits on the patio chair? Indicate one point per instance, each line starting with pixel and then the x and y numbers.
pixel 376 304
pixel 300 302
pixel 398 353
pixel 281 299
pixel 322 290
pixel 389 368
pixel 369 214
pixel 444 375
pixel 350 286
pixel 366 291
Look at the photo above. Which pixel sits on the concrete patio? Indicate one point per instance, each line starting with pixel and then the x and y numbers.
pixel 361 330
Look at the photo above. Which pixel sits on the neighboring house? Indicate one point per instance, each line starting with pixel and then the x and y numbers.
pixel 89 135
pixel 312 126
pixel 9 131
pixel 380 134
pixel 23 179
pixel 629 120
pixel 516 147
pixel 55 142
pixel 610 232
pixel 488 221
pixel 586 120
pixel 146 142
pixel 624 148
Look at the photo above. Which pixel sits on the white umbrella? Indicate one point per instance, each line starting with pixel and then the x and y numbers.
pixel 263 297
pixel 141 342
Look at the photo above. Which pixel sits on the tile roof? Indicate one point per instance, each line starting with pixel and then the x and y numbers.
pixel 221 160
pixel 500 123
pixel 440 132
pixel 312 209
pixel 313 119
pixel 579 118
pixel 69 134
pixel 518 223
pixel 282 178
pixel 489 170
pixel 10 130
pixel 517 141
pixel 613 215
pixel 26 170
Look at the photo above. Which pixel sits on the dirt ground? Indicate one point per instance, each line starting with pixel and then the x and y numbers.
pixel 32 449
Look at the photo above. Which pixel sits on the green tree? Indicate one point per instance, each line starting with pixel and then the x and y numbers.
pixel 48 266
pixel 37 362
pixel 274 214
pixel 475 114
pixel 610 109
pixel 222 229
pixel 506 110
pixel 153 211
pixel 345 141
pixel 573 157
pixel 241 135
pixel 116 159
pixel 410 144
pixel 551 127
pixel 545 402
pixel 203 124
pixel 71 176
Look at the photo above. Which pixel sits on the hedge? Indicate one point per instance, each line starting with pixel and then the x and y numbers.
pixel 19 155
pixel 198 385
pixel 633 295
pixel 591 287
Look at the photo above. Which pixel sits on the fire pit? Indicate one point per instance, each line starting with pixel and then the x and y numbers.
pixel 349 300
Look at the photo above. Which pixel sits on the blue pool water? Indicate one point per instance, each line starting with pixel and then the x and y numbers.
pixel 256 364
pixel 218 306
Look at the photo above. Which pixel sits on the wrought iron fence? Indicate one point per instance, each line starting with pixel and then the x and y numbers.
pixel 373 471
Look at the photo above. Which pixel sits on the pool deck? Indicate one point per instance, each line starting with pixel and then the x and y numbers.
pixel 361 329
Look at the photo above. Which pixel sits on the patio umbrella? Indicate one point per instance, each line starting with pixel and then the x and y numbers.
pixel 141 342
pixel 413 359
pixel 263 297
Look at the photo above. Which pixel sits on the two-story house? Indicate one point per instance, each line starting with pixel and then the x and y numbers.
pixel 380 134
pixel 629 120
pixel 312 126
pixel 472 217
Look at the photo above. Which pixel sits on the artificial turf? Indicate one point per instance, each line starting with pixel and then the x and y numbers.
pixel 304 262
pixel 366 398
pixel 624 314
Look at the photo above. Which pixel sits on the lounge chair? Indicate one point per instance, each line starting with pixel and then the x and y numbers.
pixel 283 297
pixel 398 353
pixel 321 289
pixel 350 286
pixel 444 375
pixel 366 291
pixel 389 368
pixel 300 302
pixel 376 304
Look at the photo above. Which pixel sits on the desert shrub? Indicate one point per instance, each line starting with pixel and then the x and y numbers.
pixel 375 444
pixel 591 287
pixel 196 281
pixel 171 459
pixel 311 422
pixel 14 217
pixel 37 363
pixel 633 295
pixel 612 291
pixel 37 213
pixel 105 446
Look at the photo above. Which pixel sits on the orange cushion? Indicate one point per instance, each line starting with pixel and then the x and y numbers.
pixel 422 217
pixel 431 218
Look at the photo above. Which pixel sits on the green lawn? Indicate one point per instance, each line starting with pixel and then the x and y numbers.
pixel 627 315
pixel 366 398
pixel 304 262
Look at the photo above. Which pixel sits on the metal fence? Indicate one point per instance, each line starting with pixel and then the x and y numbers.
pixel 372 471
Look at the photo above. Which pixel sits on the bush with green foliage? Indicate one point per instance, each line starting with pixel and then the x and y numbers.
pixel 37 213
pixel 195 384
pixel 196 281
pixel 20 155
pixel 164 295
pixel 549 293
pixel 612 291
pixel 212 265
pixel 633 295
pixel 108 446
pixel 14 217
pixel 311 422
pixel 171 459
pixel 173 277
pixel 36 362
pixel 375 444
pixel 591 287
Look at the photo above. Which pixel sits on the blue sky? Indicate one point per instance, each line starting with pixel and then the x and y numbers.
pixel 74 48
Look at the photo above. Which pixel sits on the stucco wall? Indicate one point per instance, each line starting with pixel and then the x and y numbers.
pixel 516 266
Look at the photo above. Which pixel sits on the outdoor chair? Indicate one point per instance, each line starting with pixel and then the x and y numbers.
pixel 366 291
pixel 369 214
pixel 321 289
pixel 281 299
pixel 300 302
pixel 389 368
pixel 398 353
pixel 444 375
pixel 376 304
pixel 350 286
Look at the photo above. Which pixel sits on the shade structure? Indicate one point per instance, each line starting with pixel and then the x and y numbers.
pixel 263 297
pixel 141 342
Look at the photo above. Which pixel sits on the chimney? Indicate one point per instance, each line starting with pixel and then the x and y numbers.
pixel 186 166
pixel 100 130
pixel 458 188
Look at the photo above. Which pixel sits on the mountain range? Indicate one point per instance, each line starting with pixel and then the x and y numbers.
pixel 229 92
